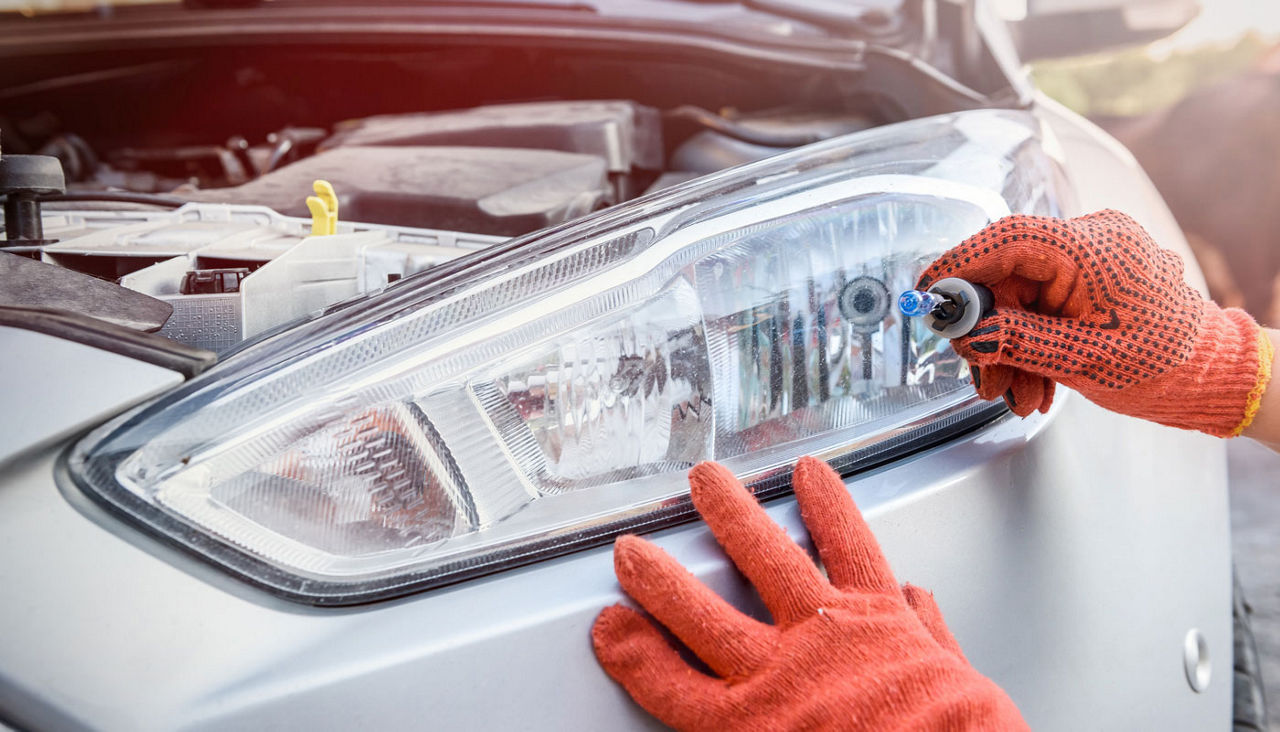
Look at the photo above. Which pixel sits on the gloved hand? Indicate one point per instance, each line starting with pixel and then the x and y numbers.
pixel 855 652
pixel 1092 303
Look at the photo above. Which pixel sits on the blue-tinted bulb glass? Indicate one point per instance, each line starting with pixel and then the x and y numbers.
pixel 914 303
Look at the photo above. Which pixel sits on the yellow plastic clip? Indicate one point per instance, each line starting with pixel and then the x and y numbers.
pixel 324 209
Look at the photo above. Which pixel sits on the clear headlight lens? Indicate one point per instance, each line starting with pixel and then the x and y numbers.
pixel 512 405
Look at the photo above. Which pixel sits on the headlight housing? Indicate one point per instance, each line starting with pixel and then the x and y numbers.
pixel 550 394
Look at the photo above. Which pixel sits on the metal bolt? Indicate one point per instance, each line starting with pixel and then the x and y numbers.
pixel 1195 660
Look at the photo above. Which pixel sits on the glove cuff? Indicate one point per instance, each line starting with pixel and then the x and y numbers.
pixel 1219 388
pixel 1266 354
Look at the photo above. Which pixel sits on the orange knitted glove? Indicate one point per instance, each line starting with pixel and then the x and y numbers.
pixel 855 652
pixel 1093 304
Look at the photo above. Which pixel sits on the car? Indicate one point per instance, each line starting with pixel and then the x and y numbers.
pixel 341 340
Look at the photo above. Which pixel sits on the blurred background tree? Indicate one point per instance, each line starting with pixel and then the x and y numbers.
pixel 1201 112
pixel 1137 81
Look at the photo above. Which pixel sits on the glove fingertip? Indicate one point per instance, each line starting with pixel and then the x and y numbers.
pixel 710 473
pixel 628 554
pixel 717 493
pixel 635 654
pixel 809 468
pixel 994 381
pixel 1049 387
pixel 919 598
pixel 1017 407
pixel 925 606
pixel 612 628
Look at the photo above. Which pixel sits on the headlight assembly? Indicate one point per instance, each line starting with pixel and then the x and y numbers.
pixel 511 406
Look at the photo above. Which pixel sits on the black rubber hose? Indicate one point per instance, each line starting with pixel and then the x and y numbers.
pixel 739 131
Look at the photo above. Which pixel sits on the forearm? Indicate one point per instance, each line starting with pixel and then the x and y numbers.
pixel 1265 427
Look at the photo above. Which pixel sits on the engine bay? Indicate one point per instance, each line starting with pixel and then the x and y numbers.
pixel 504 169
pixel 188 178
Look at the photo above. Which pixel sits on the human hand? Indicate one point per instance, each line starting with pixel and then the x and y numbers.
pixel 854 651
pixel 1094 304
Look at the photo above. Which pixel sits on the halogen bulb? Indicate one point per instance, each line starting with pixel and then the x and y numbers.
pixel 951 308
pixel 917 303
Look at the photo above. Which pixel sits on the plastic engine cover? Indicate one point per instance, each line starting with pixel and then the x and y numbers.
pixel 498 191
pixel 625 134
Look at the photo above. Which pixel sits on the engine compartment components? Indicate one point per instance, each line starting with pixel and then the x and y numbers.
pixel 225 272
pixel 625 134
pixel 23 178
pixel 725 141
pixel 235 255
pixel 213 281
pixel 219 164
pixel 498 170
pixel 324 209
pixel 492 191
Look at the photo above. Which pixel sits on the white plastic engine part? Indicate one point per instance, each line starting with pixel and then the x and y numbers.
pixel 290 272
